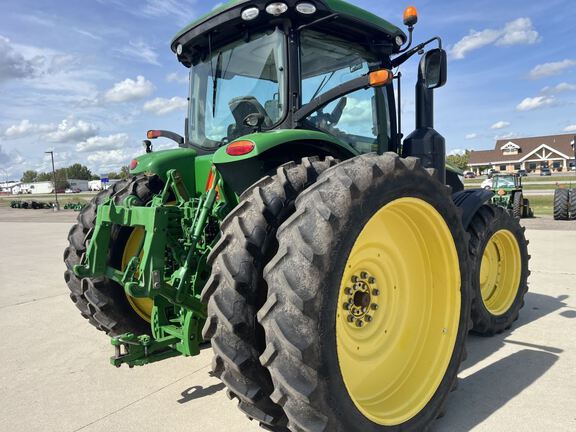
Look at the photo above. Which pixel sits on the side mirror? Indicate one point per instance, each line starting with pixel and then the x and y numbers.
pixel 434 68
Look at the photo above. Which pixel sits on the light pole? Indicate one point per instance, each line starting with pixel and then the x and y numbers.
pixel 574 149
pixel 51 153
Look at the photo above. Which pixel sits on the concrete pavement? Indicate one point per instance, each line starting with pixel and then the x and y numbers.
pixel 55 376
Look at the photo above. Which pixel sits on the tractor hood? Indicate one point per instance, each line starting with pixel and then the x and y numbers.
pixel 193 40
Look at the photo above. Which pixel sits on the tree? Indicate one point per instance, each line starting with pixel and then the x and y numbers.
pixel 113 175
pixel 61 178
pixel 460 161
pixel 124 172
pixel 79 172
pixel 29 176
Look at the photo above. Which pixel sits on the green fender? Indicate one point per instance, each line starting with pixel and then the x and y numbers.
pixel 193 168
pixel 266 141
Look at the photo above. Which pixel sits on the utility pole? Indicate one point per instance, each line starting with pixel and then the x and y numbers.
pixel 51 153
pixel 574 149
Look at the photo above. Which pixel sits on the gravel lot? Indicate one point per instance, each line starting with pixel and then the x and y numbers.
pixel 55 374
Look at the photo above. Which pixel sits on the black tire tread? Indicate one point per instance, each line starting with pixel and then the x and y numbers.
pixel 572 204
pixel 290 315
pixel 485 223
pixel 100 300
pixel 561 204
pixel 234 290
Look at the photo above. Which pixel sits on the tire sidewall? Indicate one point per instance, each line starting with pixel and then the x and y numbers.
pixel 500 221
pixel 420 186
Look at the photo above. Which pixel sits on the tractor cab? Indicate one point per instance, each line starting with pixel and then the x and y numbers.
pixel 506 182
pixel 322 66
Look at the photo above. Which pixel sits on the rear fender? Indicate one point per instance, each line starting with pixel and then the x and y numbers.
pixel 181 159
pixel 470 202
pixel 274 148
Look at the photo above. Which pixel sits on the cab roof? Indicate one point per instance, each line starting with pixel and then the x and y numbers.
pixel 232 9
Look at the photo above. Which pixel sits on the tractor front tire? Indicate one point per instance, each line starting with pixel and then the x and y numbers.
pixel 236 289
pixel 561 204
pixel 499 255
pixel 572 205
pixel 369 300
pixel 100 300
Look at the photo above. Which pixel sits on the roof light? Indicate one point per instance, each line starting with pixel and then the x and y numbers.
pixel 133 164
pixel 240 148
pixel 381 77
pixel 250 13
pixel 276 8
pixel 410 16
pixel 306 8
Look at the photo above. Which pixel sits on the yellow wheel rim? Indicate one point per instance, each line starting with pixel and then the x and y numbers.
pixel 398 311
pixel 500 272
pixel 142 306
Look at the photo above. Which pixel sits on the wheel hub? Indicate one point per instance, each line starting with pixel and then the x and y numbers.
pixel 361 299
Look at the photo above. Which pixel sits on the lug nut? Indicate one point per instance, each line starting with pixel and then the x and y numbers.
pixel 371 280
pixel 346 306
pixel 347 290
pixel 374 306
pixel 359 323
pixel 368 318
pixel 376 292
pixel 363 275
pixel 350 318
pixel 354 278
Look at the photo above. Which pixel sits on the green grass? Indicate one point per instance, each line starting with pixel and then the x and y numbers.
pixel 5 200
pixel 542 204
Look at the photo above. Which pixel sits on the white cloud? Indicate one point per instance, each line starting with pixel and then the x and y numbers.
pixel 69 130
pixel 560 88
pixel 356 111
pixel 508 135
pixel 26 128
pixel 140 51
pixel 106 161
pixel 13 65
pixel 129 90
pixel 517 32
pixel 571 128
pixel 500 125
pixel 550 69
pixel 537 102
pixel 455 152
pixel 103 144
pixel 175 77
pixel 161 106
pixel 471 136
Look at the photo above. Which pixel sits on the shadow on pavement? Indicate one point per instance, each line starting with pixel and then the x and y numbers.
pixel 486 391
pixel 198 392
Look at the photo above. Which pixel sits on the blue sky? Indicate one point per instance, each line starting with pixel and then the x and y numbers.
pixel 87 78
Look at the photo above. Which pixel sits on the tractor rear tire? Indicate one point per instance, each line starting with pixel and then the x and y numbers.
pixel 236 289
pixel 371 241
pixel 572 204
pixel 499 255
pixel 561 204
pixel 517 204
pixel 100 300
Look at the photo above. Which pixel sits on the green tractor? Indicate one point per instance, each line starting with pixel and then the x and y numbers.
pixel 508 195
pixel 334 266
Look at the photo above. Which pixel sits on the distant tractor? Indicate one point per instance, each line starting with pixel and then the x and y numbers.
pixel 508 194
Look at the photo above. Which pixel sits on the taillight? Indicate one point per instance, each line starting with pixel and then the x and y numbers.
pixel 240 148
pixel 133 164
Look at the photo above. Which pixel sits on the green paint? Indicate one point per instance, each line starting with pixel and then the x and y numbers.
pixel 341 7
pixel 203 165
pixel 265 141
pixel 161 162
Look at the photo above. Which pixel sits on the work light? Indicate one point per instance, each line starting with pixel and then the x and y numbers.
pixel 306 8
pixel 250 14
pixel 276 8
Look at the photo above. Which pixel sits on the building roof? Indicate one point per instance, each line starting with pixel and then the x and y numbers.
pixel 560 143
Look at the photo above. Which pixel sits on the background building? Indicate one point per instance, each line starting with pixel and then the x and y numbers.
pixel 531 154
